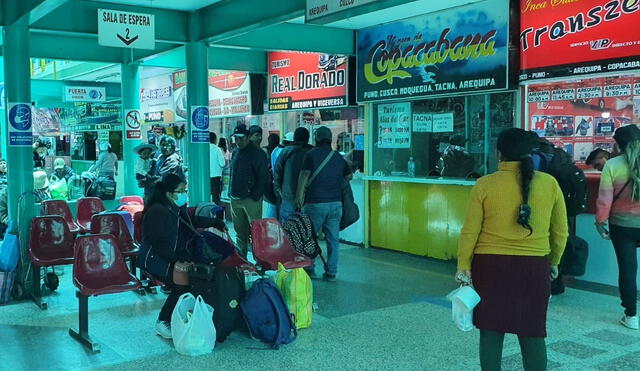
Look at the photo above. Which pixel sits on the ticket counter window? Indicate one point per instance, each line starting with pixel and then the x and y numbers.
pixel 445 137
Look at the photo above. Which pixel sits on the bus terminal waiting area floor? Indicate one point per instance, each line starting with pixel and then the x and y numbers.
pixel 387 311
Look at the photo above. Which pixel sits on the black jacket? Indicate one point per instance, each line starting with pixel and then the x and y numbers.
pixel 249 173
pixel 167 236
pixel 287 170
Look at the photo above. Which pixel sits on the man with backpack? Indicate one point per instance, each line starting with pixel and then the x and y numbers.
pixel 287 170
pixel 319 194
pixel 557 163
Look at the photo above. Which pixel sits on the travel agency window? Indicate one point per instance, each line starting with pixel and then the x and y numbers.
pixel 439 84
pixel 577 92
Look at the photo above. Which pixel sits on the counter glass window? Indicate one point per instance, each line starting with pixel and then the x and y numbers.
pixel 441 138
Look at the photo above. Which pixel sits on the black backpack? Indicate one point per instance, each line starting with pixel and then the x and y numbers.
pixel 557 163
pixel 302 235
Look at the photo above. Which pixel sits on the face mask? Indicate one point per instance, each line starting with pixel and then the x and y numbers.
pixel 182 199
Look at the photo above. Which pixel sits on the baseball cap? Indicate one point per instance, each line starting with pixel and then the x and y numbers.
pixel 40 180
pixel 241 131
pixel 255 129
pixel 58 164
pixel 323 133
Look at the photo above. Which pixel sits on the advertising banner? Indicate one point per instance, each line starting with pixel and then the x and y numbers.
pixel 566 38
pixel 452 51
pixel 229 93
pixel 580 125
pixel 394 125
pixel 180 95
pixel 300 80
pixel 46 121
pixel 156 100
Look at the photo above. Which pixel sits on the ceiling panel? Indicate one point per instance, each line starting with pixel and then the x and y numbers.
pixel 184 5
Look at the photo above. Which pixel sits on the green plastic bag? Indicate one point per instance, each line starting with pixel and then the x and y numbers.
pixel 298 294
pixel 59 189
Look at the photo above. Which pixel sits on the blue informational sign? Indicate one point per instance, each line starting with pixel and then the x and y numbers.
pixel 20 125
pixel 448 52
pixel 199 124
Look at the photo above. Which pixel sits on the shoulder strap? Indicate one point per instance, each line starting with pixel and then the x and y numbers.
pixel 321 167
pixel 617 195
pixel 189 225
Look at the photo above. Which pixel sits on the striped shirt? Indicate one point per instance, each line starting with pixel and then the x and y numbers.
pixel 623 211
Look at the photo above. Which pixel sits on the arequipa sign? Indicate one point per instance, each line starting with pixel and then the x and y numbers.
pixel 321 8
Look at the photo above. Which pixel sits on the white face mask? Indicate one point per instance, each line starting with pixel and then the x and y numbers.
pixel 182 199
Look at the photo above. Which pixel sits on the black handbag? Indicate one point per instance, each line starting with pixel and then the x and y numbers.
pixel 574 259
pixel 350 211
pixel 151 263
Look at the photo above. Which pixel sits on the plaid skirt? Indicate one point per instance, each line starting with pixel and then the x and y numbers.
pixel 514 294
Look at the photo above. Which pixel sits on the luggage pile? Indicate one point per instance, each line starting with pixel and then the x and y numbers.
pixel 272 310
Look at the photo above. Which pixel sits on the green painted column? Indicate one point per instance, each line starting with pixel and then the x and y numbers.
pixel 19 159
pixel 130 88
pixel 197 95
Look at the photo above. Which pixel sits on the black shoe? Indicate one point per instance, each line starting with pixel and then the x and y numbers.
pixel 557 287
pixel 329 277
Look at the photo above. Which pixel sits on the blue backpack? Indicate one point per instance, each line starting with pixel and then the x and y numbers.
pixel 267 315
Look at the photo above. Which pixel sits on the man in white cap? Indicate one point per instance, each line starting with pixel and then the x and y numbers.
pixel 61 170
pixel 41 186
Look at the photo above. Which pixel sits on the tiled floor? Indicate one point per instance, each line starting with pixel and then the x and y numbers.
pixel 386 312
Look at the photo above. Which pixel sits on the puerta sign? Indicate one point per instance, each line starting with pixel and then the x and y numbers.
pixel 452 51
pixel 566 38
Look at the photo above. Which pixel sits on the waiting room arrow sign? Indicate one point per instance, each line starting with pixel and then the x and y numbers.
pixel 126 29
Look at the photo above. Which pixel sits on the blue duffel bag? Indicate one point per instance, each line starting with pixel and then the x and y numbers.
pixel 9 250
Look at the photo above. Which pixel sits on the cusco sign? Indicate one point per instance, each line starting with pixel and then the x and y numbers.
pixel 460 49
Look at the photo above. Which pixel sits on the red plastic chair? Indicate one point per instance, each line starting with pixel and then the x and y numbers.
pixel 137 227
pixel 88 207
pixel 132 199
pixel 235 260
pixel 60 207
pixel 50 244
pixel 148 283
pixel 271 246
pixel 98 269
pixel 115 225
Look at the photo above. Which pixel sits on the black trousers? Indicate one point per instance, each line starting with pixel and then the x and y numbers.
pixel 625 242
pixel 216 189
pixel 172 299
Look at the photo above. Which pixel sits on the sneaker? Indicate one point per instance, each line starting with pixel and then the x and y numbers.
pixel 163 329
pixel 630 322
pixel 329 277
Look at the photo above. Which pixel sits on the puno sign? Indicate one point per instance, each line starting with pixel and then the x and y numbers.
pixel 126 29
pixel 300 80
pixel 85 94
pixel 452 51
pixel 321 8
pixel 573 37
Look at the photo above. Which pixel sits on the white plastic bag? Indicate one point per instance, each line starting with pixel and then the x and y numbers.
pixel 463 300
pixel 192 326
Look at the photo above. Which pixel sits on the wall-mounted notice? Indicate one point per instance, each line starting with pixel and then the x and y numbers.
pixel 133 123
pixel 443 122
pixel 199 124
pixel 85 94
pixel 20 125
pixel 394 125
pixel 422 122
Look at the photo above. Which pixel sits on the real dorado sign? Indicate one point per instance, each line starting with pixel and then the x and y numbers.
pixel 309 81
pixel 456 50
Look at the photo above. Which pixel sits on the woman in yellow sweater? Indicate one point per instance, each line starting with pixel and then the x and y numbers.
pixel 511 243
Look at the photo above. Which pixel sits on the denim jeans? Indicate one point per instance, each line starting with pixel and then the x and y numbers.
pixel 326 218
pixel 287 208
pixel 625 241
